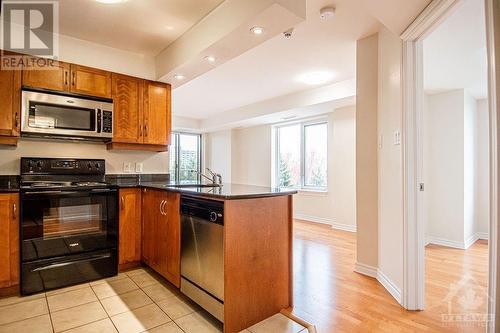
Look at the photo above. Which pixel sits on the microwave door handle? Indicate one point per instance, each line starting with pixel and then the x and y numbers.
pixel 98 116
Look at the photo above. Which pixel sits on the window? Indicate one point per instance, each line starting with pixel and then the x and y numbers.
pixel 301 155
pixel 185 157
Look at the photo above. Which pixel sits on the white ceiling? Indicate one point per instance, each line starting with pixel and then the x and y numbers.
pixel 455 53
pixel 140 26
pixel 270 69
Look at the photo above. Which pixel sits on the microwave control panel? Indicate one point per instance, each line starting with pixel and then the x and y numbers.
pixel 107 122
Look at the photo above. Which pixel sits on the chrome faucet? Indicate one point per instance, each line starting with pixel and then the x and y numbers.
pixel 216 178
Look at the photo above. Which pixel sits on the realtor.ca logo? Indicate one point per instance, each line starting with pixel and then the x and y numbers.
pixel 29 34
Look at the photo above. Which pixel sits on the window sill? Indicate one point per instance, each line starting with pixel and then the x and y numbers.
pixel 314 192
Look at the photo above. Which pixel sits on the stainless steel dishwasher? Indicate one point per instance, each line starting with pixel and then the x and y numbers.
pixel 202 253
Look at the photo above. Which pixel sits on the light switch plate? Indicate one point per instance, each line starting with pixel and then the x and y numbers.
pixel 139 167
pixel 397 137
pixel 127 167
pixel 380 141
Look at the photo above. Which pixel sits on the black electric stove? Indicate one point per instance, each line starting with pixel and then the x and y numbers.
pixel 69 223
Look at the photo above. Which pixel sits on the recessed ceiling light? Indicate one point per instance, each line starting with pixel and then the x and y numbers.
pixel 169 27
pixel 210 58
pixel 110 1
pixel 179 77
pixel 314 78
pixel 257 30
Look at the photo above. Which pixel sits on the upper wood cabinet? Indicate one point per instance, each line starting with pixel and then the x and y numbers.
pixel 157 113
pixel 127 108
pixel 90 81
pixel 10 109
pixel 54 77
pixel 161 233
pixel 130 226
pixel 9 240
pixel 62 76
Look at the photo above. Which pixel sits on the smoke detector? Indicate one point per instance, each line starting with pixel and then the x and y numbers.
pixel 288 34
pixel 327 12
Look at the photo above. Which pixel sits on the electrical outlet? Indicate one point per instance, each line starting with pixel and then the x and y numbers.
pixel 127 167
pixel 139 167
pixel 397 137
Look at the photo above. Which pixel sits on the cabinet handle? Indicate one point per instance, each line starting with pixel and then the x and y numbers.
pixel 16 120
pixel 161 204
pixel 14 211
pixel 146 129
pixel 123 203
pixel 73 78
pixel 65 78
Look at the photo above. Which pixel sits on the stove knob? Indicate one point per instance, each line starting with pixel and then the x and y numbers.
pixel 39 165
pixel 97 165
pixel 89 165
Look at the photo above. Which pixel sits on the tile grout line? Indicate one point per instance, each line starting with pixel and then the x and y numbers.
pixel 106 312
pixel 50 313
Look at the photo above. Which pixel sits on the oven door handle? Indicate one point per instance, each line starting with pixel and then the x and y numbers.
pixel 66 263
pixel 70 192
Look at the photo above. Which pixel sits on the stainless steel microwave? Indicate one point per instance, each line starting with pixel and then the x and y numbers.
pixel 46 115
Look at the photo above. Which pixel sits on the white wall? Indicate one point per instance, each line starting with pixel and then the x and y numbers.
pixel 456 168
pixel 338 206
pixel 483 169
pixel 251 156
pixel 217 154
pixel 443 124
pixel 9 157
pixel 90 54
pixel 390 212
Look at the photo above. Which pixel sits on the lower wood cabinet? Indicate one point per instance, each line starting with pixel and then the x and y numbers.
pixel 9 240
pixel 130 226
pixel 161 241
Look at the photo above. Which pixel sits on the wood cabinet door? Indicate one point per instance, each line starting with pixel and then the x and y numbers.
pixel 157 113
pixel 90 81
pixel 130 225
pixel 55 78
pixel 127 109
pixel 168 250
pixel 9 240
pixel 150 213
pixel 10 97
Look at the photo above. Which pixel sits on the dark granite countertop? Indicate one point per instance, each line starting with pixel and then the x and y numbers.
pixel 9 184
pixel 225 192
pixel 162 182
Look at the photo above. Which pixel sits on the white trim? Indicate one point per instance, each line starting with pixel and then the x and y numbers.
pixel 413 296
pixel 483 235
pixel 445 242
pixel 322 220
pixel 365 270
pixel 377 274
pixel 492 102
pixel 391 287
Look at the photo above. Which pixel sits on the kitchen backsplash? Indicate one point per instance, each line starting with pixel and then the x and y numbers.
pixel 153 163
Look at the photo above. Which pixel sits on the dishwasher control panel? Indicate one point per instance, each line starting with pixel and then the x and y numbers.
pixel 208 210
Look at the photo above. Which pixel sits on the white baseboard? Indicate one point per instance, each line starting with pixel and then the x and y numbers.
pixel 445 242
pixel 390 286
pixel 483 235
pixel 322 220
pixel 365 270
pixel 457 245
pixel 376 273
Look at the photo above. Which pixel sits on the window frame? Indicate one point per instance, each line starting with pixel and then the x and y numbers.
pixel 176 143
pixel 302 160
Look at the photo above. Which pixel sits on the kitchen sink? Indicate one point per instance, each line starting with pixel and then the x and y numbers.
pixel 193 185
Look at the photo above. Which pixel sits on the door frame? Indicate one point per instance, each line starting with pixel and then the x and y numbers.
pixel 413 296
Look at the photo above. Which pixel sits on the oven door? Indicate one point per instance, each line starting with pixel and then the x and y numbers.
pixel 61 223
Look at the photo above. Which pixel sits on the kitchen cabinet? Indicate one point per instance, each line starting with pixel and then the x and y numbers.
pixel 90 81
pixel 66 77
pixel 10 95
pixel 9 240
pixel 127 108
pixel 54 75
pixel 161 233
pixel 130 205
pixel 157 113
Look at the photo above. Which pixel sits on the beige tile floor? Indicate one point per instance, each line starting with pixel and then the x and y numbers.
pixel 132 302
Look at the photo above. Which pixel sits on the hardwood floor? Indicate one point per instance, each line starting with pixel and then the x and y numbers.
pixel 328 293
